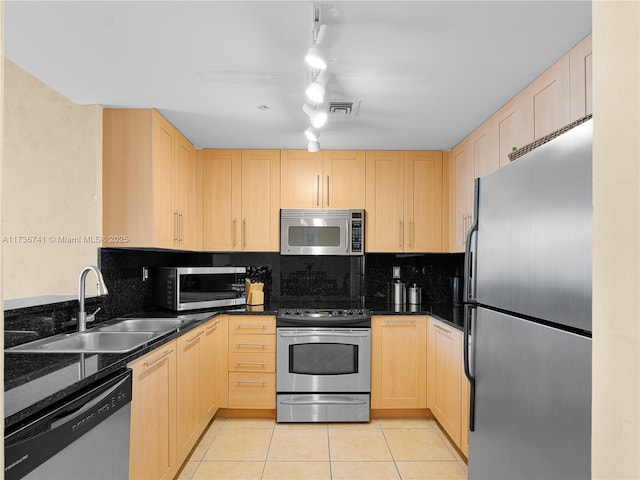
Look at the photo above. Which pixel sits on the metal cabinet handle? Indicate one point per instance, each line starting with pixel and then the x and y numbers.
pixel 391 322
pixel 235 223
pixel 244 232
pixel 189 340
pixel 262 364
pixel 442 329
pixel 464 228
pixel 175 226
pixel 181 219
pixel 255 382
pixel 262 345
pixel 328 195
pixel 251 325
pixel 317 190
pixel 400 234
pixel 148 364
pixel 410 232
pixel 214 325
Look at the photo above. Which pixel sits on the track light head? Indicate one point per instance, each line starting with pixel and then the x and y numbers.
pixel 318 117
pixel 316 56
pixel 312 134
pixel 313 147
pixel 317 90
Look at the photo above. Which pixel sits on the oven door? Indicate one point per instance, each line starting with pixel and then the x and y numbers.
pixel 315 360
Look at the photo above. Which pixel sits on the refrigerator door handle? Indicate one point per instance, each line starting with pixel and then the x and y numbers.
pixel 469 257
pixel 468 308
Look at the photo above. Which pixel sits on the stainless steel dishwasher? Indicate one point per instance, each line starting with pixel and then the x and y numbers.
pixel 85 438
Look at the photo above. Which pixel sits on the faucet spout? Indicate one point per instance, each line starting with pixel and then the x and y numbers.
pixel 102 290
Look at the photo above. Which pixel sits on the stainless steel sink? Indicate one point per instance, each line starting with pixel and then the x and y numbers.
pixel 144 325
pixel 87 342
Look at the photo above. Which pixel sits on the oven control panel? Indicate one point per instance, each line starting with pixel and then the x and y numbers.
pixel 323 317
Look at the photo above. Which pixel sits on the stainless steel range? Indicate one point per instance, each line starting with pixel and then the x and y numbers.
pixel 323 365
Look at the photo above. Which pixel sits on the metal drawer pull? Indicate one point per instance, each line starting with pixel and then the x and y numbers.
pixel 215 324
pixel 193 338
pixel 148 364
pixel 262 364
pixel 389 322
pixel 249 325
pixel 255 382
pixel 448 332
pixel 322 402
pixel 263 345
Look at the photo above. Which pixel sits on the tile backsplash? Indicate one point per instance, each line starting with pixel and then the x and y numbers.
pixel 285 278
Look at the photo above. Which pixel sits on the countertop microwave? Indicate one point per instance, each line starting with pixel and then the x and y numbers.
pixel 322 232
pixel 190 288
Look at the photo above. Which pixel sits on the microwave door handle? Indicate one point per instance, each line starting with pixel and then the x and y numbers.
pixel 346 238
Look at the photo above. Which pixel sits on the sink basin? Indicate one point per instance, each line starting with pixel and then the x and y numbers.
pixel 144 325
pixel 87 342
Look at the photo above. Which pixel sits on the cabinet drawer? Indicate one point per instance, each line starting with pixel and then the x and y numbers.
pixel 259 324
pixel 252 390
pixel 252 362
pixel 251 343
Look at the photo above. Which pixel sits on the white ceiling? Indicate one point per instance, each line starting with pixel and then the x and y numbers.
pixel 426 73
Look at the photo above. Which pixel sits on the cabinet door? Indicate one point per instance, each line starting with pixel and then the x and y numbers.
pixel 165 219
pixel 423 201
pixel 182 166
pixel 580 59
pixel 189 390
pixel 398 361
pixel 153 415
pixel 221 199
pixel 484 149
pixel 551 98
pixel 384 199
pixel 514 126
pixel 210 369
pixel 445 382
pixel 343 179
pixel 463 198
pixel 222 353
pixel 260 200
pixel 195 231
pixel 302 179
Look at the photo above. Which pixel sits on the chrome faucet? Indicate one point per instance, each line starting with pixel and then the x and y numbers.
pixel 102 290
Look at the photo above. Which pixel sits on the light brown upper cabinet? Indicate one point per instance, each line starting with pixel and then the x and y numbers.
pixel 404 192
pixel 423 201
pixel 550 95
pixel 326 179
pixel 241 191
pixel 147 183
pixel 513 126
pixel 463 175
pixel 580 59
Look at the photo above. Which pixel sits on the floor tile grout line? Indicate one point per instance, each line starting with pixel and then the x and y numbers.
pixel 264 464
pixel 395 463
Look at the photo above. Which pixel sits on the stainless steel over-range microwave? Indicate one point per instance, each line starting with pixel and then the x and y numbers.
pixel 190 288
pixel 321 232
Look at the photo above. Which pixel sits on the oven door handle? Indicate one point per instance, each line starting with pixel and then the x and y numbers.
pixel 322 402
pixel 325 334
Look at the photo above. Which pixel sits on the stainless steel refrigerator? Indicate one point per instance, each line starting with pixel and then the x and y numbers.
pixel 528 315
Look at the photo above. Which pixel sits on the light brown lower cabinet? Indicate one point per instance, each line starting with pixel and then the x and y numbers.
pixel 251 362
pixel 447 385
pixel 176 392
pixel 153 415
pixel 398 361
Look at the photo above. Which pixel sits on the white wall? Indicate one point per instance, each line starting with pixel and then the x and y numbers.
pixel 51 187
pixel 616 240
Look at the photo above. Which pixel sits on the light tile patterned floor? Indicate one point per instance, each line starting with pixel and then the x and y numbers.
pixel 385 449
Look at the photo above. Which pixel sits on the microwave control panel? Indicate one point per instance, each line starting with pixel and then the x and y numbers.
pixel 357 232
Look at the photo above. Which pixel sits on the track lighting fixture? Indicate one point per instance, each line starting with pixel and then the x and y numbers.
pixel 312 134
pixel 318 117
pixel 316 56
pixel 316 91
pixel 313 147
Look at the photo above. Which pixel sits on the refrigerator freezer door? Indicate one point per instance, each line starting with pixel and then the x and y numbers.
pixel 533 251
pixel 532 401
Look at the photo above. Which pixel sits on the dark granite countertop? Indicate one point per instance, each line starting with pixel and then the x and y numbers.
pixel 36 382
